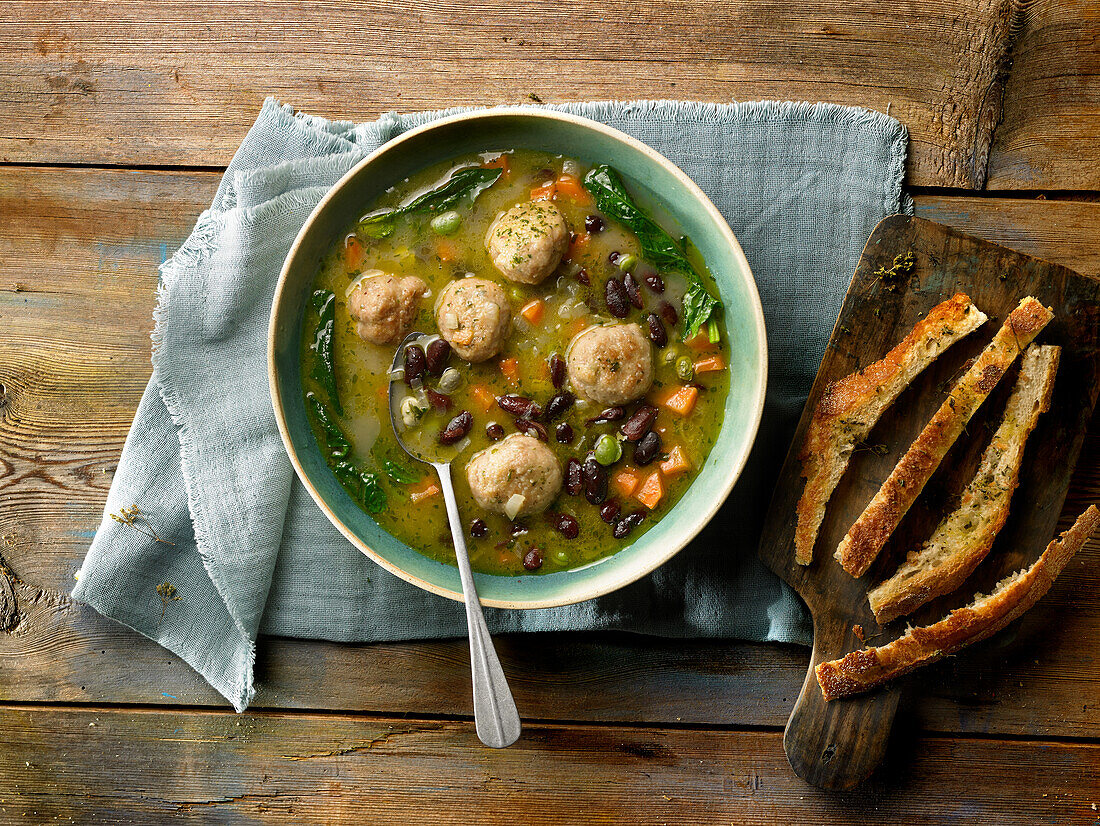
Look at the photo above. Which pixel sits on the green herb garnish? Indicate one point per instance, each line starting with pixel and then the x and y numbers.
pixel 324 368
pixel 469 181
pixel 660 248
pixel 364 486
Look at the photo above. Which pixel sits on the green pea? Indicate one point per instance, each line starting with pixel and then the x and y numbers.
pixel 446 223
pixel 561 557
pixel 685 368
pixel 608 450
pixel 627 262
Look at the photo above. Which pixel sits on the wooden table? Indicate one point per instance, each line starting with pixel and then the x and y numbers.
pixel 117 121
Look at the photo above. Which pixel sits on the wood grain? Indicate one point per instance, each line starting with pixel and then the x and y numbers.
pixel 836 744
pixel 78 253
pixel 264 767
pixel 120 83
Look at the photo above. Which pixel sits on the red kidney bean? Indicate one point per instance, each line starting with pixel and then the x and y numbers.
pixel 628 523
pixel 458 427
pixel 657 333
pixel 609 511
pixel 668 313
pixel 494 431
pixel 519 406
pixel 632 292
pixel 594 224
pixel 557 371
pixel 533 560
pixel 595 481
pixel 584 277
pixel 614 257
pixel 532 428
pixel 436 356
pixel 574 477
pixel 559 405
pixel 654 281
pixel 518 529
pixel 564 433
pixel 439 401
pixel 478 529
pixel 611 414
pixel 414 364
pixel 565 524
pixel 639 424
pixel 647 448
pixel 618 302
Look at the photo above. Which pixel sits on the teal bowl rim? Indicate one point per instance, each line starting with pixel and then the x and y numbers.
pixel 586 587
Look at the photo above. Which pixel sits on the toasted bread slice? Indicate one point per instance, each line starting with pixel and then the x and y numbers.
pixel 861 671
pixel 866 537
pixel 851 406
pixel 965 535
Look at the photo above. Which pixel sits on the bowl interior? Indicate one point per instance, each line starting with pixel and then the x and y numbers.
pixel 652 179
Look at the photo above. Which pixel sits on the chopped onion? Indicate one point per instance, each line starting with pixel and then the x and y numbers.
pixel 449 321
pixel 397 374
pixel 514 505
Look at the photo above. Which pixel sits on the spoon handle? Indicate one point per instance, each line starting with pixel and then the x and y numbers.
pixel 495 714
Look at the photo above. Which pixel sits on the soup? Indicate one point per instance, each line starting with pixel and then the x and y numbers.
pixel 569 363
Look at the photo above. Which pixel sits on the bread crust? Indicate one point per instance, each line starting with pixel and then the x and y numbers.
pixel 964 537
pixel 864 540
pixel 850 407
pixel 861 671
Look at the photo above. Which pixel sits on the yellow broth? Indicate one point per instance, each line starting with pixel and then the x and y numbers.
pixel 570 306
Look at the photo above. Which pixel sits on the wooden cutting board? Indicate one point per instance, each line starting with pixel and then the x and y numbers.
pixel 838 744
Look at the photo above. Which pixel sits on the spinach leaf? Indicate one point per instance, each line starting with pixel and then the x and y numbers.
pixel 399 473
pixel 363 486
pixel 658 246
pixel 324 367
pixel 470 180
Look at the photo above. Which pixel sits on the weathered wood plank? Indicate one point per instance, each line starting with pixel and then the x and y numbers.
pixel 84 245
pixel 1051 109
pixel 124 84
pixel 123 766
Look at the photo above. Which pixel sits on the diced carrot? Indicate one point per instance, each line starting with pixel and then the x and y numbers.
pixel 625 481
pixel 651 491
pixel 533 310
pixel 546 192
pixel 676 463
pixel 711 364
pixel 445 250
pixel 700 343
pixel 678 400
pixel 353 253
pixel 576 246
pixel 578 325
pixel 499 161
pixel 483 396
pixel 571 187
pixel 425 490
pixel 510 368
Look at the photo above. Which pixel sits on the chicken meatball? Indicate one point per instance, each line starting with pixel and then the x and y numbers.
pixel 611 365
pixel 384 305
pixel 526 242
pixel 474 316
pixel 517 476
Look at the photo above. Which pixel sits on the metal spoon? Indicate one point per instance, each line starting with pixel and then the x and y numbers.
pixel 495 716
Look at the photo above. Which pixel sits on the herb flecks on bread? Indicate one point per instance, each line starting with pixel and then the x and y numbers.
pixel 964 537
pixel 864 540
pixel 861 671
pixel 850 407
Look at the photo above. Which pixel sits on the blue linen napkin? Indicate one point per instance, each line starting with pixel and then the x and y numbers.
pixel 238 539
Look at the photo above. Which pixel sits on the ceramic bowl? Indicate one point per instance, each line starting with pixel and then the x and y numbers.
pixel 651 177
